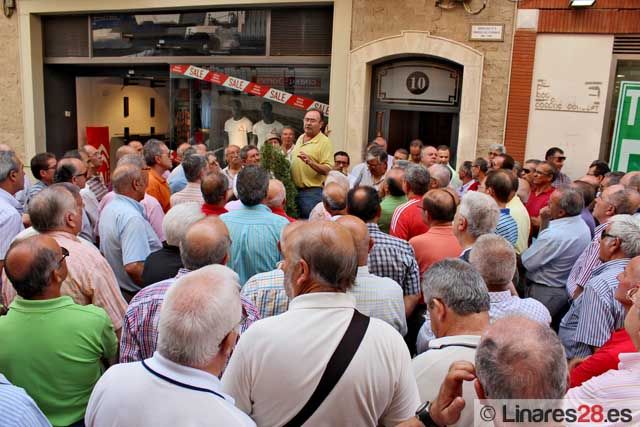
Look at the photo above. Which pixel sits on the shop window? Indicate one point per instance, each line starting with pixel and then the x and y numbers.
pixel 218 111
pixel 231 32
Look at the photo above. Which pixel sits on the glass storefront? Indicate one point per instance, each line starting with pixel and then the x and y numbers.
pixel 219 113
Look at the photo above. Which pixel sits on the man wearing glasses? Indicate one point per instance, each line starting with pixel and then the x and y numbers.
pixel 156 155
pixel 556 157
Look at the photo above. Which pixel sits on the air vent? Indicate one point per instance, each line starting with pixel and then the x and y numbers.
pixel 301 31
pixel 627 44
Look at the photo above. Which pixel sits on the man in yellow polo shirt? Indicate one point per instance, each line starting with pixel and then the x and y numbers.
pixel 311 161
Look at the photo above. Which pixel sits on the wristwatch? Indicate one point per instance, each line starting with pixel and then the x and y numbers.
pixel 422 414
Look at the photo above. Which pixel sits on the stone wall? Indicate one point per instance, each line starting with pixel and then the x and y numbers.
pixel 11 129
pixel 373 19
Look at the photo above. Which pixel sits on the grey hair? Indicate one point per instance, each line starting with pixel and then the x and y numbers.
pixel 252 184
pixel 441 174
pixel 45 261
pixel 152 148
pixel 623 201
pixel 8 163
pixel 480 211
pixel 512 355
pixel 494 258
pixel 339 178
pixel 193 165
pixel 499 148
pixel 198 312
pixel 279 196
pixel 48 208
pixel 417 178
pixel 627 228
pixel 571 201
pixel 123 176
pixel 178 219
pixel 458 285
pixel 132 159
pixel 333 205
pixel 401 165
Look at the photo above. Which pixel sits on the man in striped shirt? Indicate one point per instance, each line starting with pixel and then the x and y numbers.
pixel 499 186
pixel 207 242
pixel 195 168
pixel 18 408
pixel 595 314
pixel 614 200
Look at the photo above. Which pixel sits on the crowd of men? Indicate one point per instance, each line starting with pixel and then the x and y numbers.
pixel 178 292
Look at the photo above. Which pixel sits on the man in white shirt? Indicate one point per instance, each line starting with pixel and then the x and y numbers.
pixel 376 296
pixel 238 127
pixel 179 385
pixel 459 316
pixel 377 387
pixel 266 126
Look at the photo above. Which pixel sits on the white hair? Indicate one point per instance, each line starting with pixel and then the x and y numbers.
pixel 198 312
pixel 339 178
pixel 440 173
pixel 499 148
pixel 179 219
pixel 627 228
pixel 480 211
pixel 494 258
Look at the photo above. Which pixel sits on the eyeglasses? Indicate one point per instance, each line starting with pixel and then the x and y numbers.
pixel 541 172
pixel 81 174
pixel 605 235
pixel 525 171
pixel 491 153
pixel 632 295
pixel 560 158
pixel 65 253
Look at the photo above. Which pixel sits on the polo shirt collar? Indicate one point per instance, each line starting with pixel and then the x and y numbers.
pixel 258 207
pixel 64 235
pixel 505 211
pixel 455 340
pixel 323 300
pixel 186 375
pixel 441 229
pixel 6 196
pixel 4 380
pixel 363 270
pixel 31 305
pixel 182 272
pixel 312 140
pixel 622 262
pixel 131 202
pixel 629 361
pixel 157 176
pixel 564 221
pixel 500 296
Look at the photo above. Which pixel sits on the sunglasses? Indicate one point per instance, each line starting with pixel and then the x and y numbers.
pixel 65 253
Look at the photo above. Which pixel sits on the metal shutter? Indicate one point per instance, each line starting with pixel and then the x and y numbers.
pixel 65 36
pixel 302 31
pixel 626 44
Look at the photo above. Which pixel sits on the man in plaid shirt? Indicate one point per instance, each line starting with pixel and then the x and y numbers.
pixel 206 242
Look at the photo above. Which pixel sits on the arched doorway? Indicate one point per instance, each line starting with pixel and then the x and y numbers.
pixel 416 98
pixel 411 44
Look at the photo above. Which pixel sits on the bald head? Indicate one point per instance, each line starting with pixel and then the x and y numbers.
pixel 509 362
pixel 34 268
pixel 206 242
pixel 214 189
pixel 631 180
pixel 334 198
pixel 440 176
pixel 137 145
pixel 328 251
pixel 125 150
pixel 276 194
pixel 440 206
pixel 360 234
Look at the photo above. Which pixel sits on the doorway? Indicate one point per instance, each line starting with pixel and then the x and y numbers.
pixel 430 127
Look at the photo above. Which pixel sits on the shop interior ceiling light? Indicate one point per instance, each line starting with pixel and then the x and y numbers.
pixel 581 3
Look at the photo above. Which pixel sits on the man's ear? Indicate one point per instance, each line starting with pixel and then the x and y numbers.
pixel 462 224
pixel 479 390
pixel 438 309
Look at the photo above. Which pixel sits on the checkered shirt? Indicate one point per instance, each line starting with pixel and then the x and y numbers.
pixel 394 258
pixel 140 326
pixel 266 292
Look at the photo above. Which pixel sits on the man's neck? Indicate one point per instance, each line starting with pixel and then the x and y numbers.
pixel 238 117
pixel 466 241
pixel 434 223
pixel 466 180
pixel 267 120
pixel 91 172
pixel 500 204
pixel 50 292
pixel 616 255
pixel 472 324
pixel 7 186
pixel 158 169
pixel 313 287
pixel 497 288
pixel 308 137
pixel 132 195
pixel 235 168
pixel 542 188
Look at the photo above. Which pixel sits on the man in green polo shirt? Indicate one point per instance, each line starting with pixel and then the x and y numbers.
pixel 50 346
pixel 311 161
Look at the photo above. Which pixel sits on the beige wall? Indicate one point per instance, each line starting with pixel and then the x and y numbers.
pixel 99 101
pixel 374 19
pixel 11 130
pixel 567 68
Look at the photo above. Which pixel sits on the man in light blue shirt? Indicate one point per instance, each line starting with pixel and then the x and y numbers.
pixel 549 259
pixel 11 181
pixel 253 228
pixel 18 408
pixel 126 237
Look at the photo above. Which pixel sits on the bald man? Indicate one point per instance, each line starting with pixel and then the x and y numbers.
pixel 334 199
pixel 376 296
pixel 125 150
pixel 206 242
pixel 631 180
pixel 51 346
pixel 215 191
pixel 137 145
pixel 378 388
pixel 277 199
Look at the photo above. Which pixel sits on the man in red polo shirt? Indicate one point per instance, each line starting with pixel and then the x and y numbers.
pixel 406 221
pixel 543 177
pixel 214 189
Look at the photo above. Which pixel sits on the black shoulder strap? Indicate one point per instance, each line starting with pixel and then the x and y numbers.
pixel 338 363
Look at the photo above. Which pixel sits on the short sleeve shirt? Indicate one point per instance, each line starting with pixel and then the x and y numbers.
pixel 159 189
pixel 262 129
pixel 237 131
pixel 10 221
pixel 320 149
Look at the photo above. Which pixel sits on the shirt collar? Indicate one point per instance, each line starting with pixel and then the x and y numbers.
pixel 63 235
pixel 622 262
pixel 500 296
pixel 564 221
pixel 186 375
pixel 4 194
pixel 258 207
pixel 130 201
pixel 629 361
pixel 363 270
pixel 322 300
pixel 441 229
pixel 4 380
pixel 455 340
pixel 31 305
pixel 182 272
pixel 157 176
pixel 505 211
